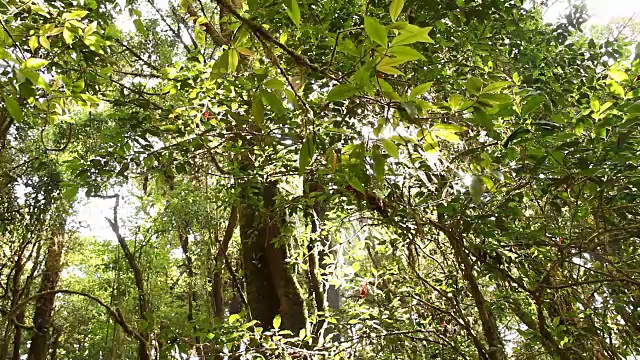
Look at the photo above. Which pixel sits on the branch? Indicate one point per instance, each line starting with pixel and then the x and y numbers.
pixel 115 314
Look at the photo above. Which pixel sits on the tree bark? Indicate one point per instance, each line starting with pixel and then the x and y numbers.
pixel 143 304
pixel 271 289
pixel 218 298
pixel 44 304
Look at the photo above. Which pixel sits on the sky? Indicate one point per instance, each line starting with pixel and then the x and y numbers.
pixel 601 11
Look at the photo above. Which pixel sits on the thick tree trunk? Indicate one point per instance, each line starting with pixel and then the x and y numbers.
pixel 271 289
pixel 43 313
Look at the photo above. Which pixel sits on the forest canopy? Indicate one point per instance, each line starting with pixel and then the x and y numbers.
pixel 305 179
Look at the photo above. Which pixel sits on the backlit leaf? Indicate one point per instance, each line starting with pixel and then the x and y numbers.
pixel 376 32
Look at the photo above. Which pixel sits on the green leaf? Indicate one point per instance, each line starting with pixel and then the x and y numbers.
pixel 494 99
pixel 532 103
pixel 449 128
pixel 387 69
pixel 78 86
pixel 45 42
pixel 342 92
pixel 476 188
pixel 615 88
pixel 395 9
pixel 455 101
pixel 67 35
pixel 14 108
pixel 474 85
pixel 274 102
pixel 420 89
pixel 293 10
pixel 277 321
pixel 78 14
pixel 4 55
pixel 495 87
pixel 376 32
pixel 411 34
pixel 595 104
pixel 356 184
pixel 448 136
pixel 33 43
pixel 618 75
pixel 378 163
pixel 306 153
pixel 257 109
pixel 233 60
pixel 390 147
pixel 406 53
pixel 34 64
pixel 140 27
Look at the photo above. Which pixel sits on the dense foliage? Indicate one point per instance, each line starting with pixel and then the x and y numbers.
pixel 318 179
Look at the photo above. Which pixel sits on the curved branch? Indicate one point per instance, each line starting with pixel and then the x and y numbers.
pixel 115 314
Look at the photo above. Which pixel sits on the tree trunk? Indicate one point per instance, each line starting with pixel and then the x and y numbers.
pixel 143 304
pixel 271 289
pixel 43 313
pixel 218 298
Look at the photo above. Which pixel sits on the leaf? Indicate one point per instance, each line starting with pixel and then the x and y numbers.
pixel 67 35
pixel 274 102
pixel 277 321
pixel 34 64
pixel 4 55
pixel 395 9
pixel 411 34
pixel 257 109
pixel 45 42
pixel 389 70
pixel 615 88
pixel 390 147
pixel 446 135
pixel 78 86
pixel 494 99
pixel 515 135
pixel 342 92
pixel 78 14
pixel 496 86
pixel 449 128
pixel 233 60
pixel 33 43
pixel 294 11
pixel 455 101
pixel 406 53
pixel 140 27
pixel 618 75
pixel 420 89
pixel 356 184
pixel 378 163
pixel 376 32
pixel 306 153
pixel 14 108
pixel 90 29
pixel 474 85
pixel 532 103
pixel 476 188
pixel 595 104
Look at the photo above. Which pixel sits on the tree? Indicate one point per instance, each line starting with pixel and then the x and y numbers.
pixel 389 179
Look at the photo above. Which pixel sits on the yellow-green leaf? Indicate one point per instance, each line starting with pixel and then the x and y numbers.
pixel 390 147
pixel 45 42
pixel 389 70
pixel 34 64
pixel 356 184
pixel 376 32
pixel 33 43
pixel 411 34
pixel 476 188
pixel 233 60
pixel 406 53
pixel 395 9
pixel 67 35
pixel 342 92
pixel 277 321
pixel 78 14
pixel 14 108
pixel 420 89
pixel 257 109
pixel 293 10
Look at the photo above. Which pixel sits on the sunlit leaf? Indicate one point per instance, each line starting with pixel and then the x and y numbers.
pixel 376 32
pixel 395 9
